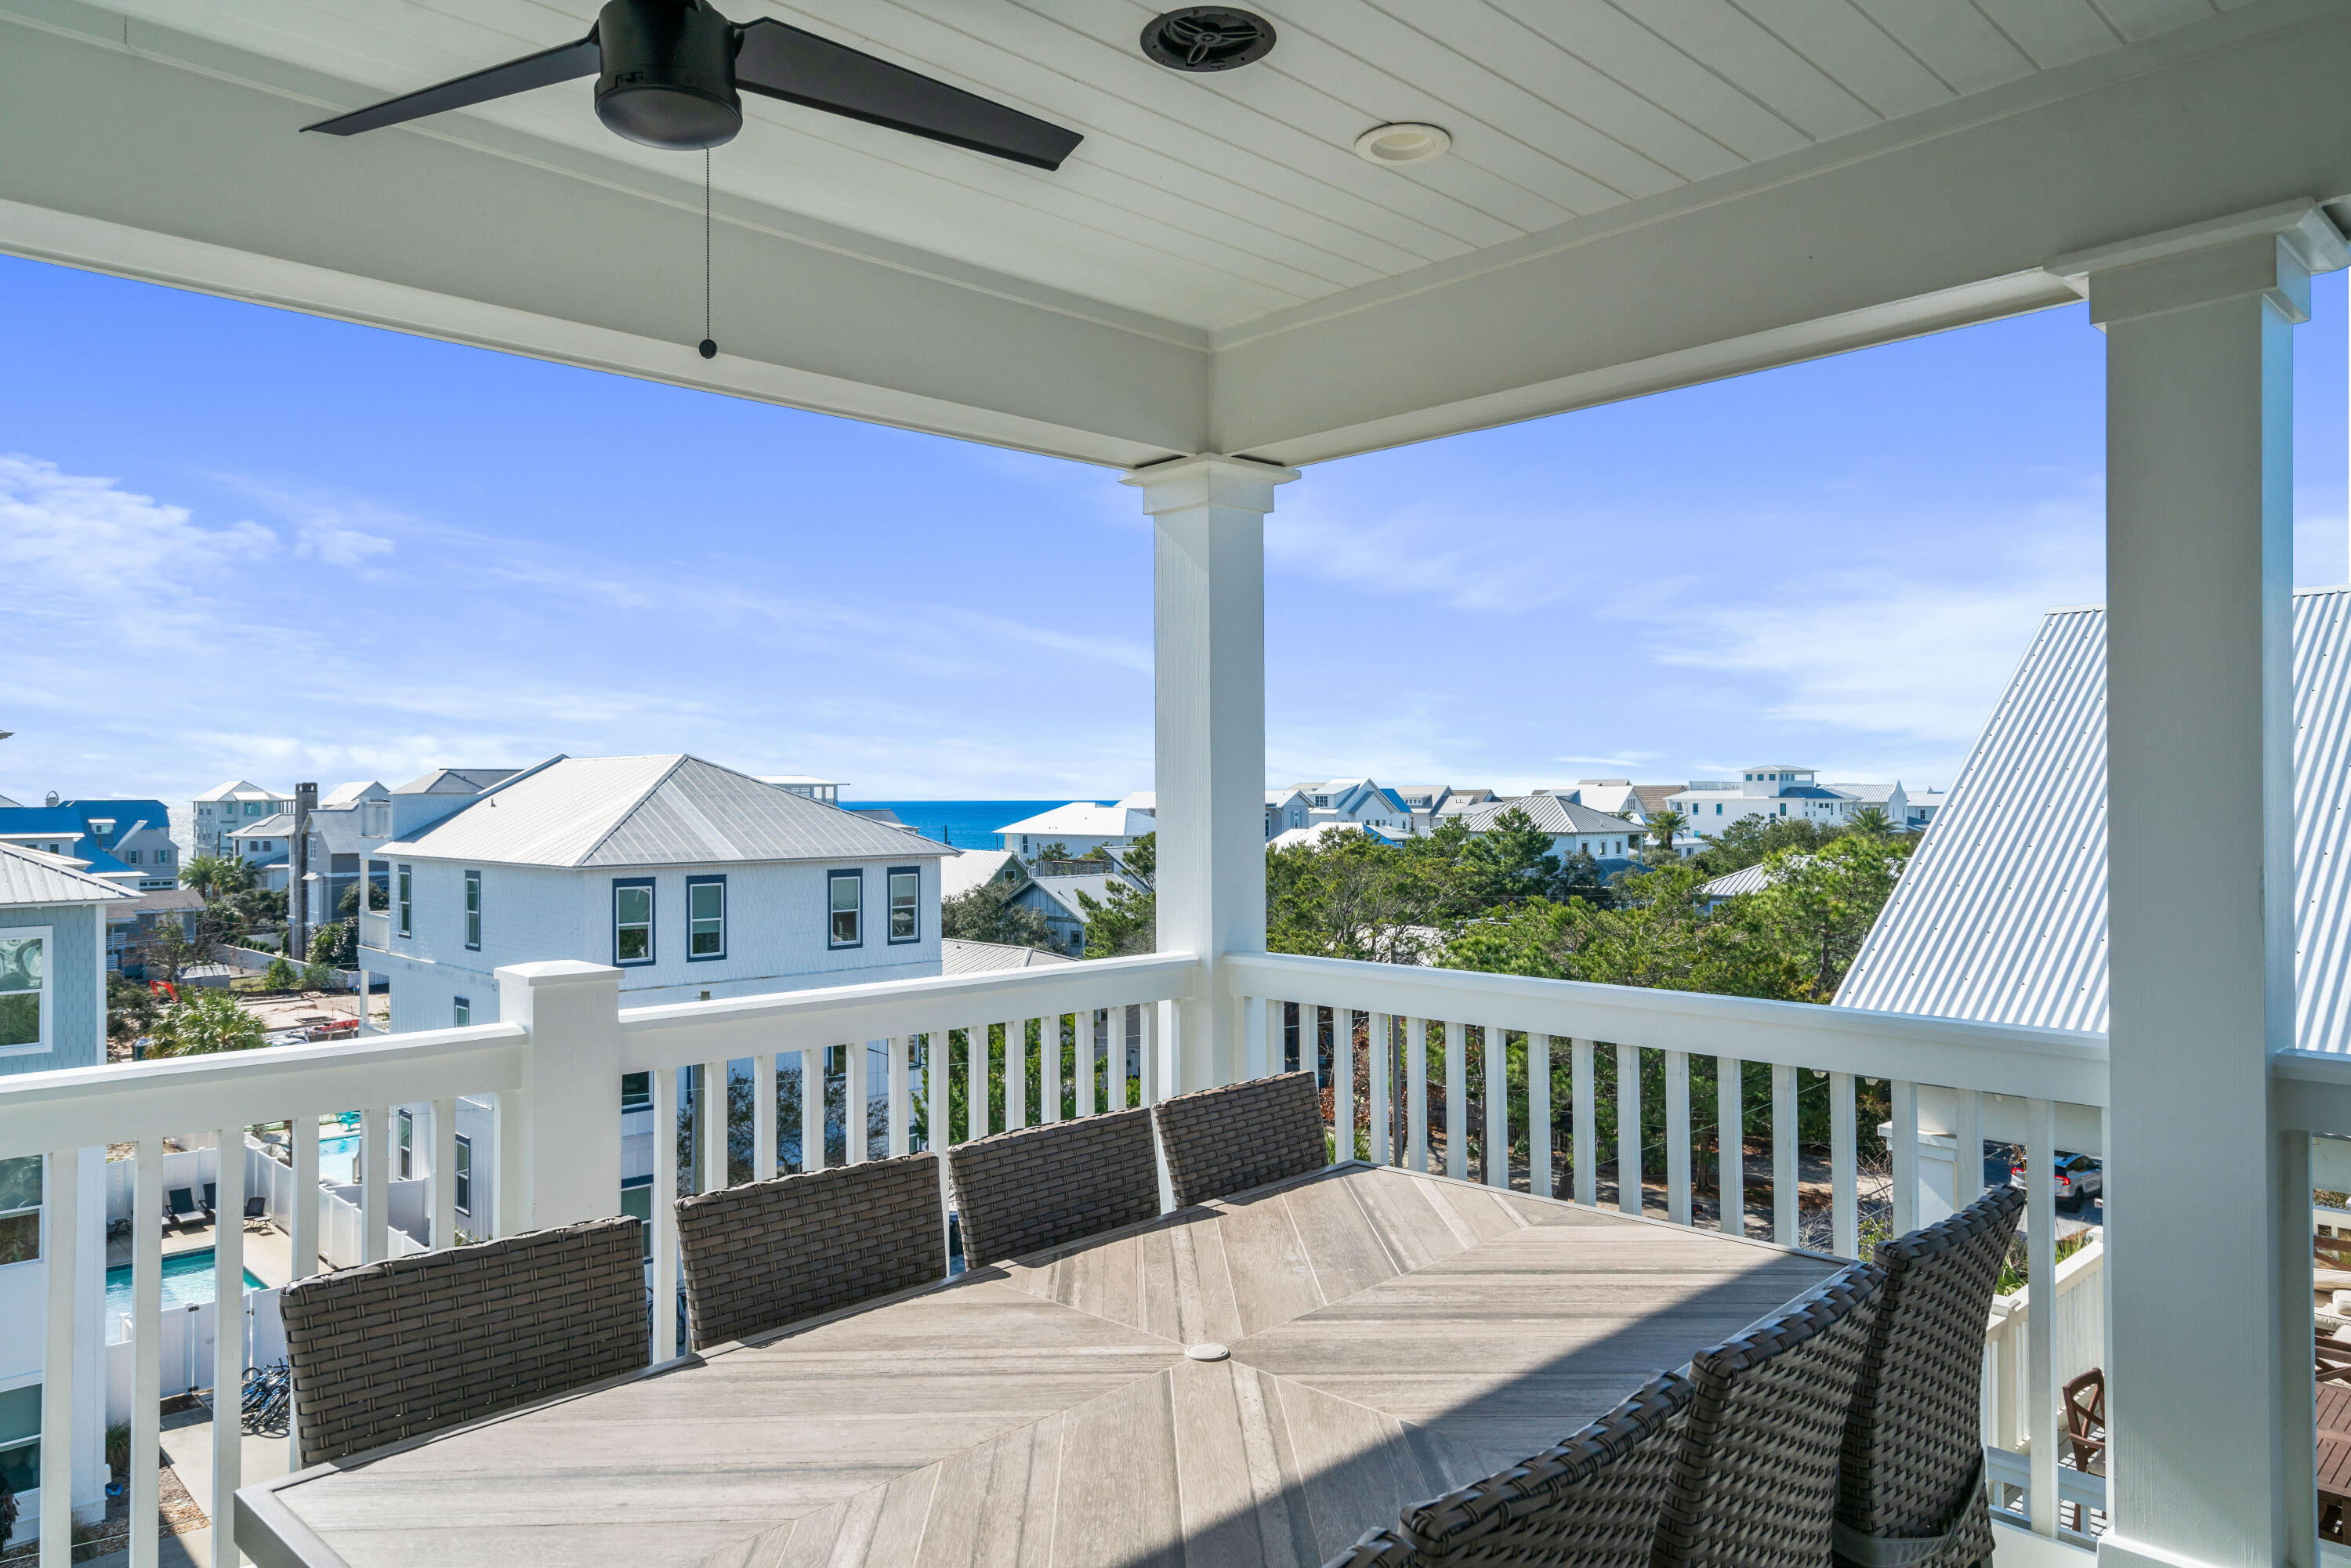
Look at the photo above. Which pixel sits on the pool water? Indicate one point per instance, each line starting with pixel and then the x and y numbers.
pixel 339 1159
pixel 187 1281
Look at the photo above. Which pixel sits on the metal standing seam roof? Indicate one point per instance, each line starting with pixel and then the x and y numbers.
pixel 1084 819
pixel 674 810
pixel 31 876
pixel 2001 916
pixel 1746 879
pixel 1552 815
pixel 957 957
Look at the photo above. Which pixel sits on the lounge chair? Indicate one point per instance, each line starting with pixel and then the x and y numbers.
pixel 180 1205
pixel 211 1199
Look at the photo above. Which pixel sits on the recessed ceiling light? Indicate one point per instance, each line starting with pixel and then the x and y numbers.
pixel 1207 38
pixel 1403 142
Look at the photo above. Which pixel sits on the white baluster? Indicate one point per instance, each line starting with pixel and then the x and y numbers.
pixel 812 1108
pixel 1905 1098
pixel 1082 1061
pixel 976 1049
pixel 1253 1053
pixel 1583 1090
pixel 1343 1084
pixel 303 1224
pixel 61 1209
pixel 228 1338
pixel 1677 1138
pixel 1381 1061
pixel 1114 1043
pixel 715 1131
pixel 1628 1129
pixel 2044 1418
pixel 763 1115
pixel 664 1211
pixel 1844 1156
pixel 938 1125
pixel 1415 1094
pixel 443 1172
pixel 1016 1073
pixel 1539 1171
pixel 1497 1105
pixel 1968 1129
pixel 375 1166
pixel 1272 1046
pixel 1457 1100
pixel 1730 1136
pixel 1784 1155
pixel 146 1352
pixel 901 1104
pixel 1048 1061
pixel 1154 1085
pixel 857 1101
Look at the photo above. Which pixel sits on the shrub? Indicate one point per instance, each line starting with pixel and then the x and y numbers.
pixel 206 1022
pixel 317 977
pixel 281 976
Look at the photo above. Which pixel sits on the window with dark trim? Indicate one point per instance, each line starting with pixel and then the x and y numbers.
pixel 404 1146
pixel 403 900
pixel 461 1012
pixel 845 906
pixel 632 920
pixel 706 918
pixel 464 1174
pixel 473 912
pixel 905 903
pixel 636 1091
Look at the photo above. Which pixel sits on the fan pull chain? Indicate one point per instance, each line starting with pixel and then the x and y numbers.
pixel 709 345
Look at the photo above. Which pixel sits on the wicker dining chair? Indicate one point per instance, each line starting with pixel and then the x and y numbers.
pixel 417 1344
pixel 1912 1490
pixel 768 1254
pixel 1755 1480
pixel 1590 1500
pixel 1241 1135
pixel 1023 1191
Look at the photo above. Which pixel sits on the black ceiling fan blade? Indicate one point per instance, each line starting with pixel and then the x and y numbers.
pixel 564 62
pixel 780 60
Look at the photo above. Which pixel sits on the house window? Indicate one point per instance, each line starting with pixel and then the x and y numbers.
pixel 253 808
pixel 632 920
pixel 637 1201
pixel 465 1173
pixel 404 1145
pixel 130 857
pixel 24 991
pixel 706 918
pixel 20 1439
pixel 473 912
pixel 403 880
pixel 846 899
pixel 637 1094
pixel 163 857
pixel 20 1210
pixel 461 1012
pixel 905 903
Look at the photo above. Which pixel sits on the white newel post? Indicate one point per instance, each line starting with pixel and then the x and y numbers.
pixel 2210 1415
pixel 568 1117
pixel 1210 650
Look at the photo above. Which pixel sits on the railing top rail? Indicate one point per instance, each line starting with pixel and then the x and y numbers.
pixel 80 1106
pixel 2000 1059
pixel 678 1032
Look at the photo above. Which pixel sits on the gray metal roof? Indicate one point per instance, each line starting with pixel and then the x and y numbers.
pixel 957 957
pixel 672 810
pixel 2001 917
pixel 456 780
pixel 1747 879
pixel 31 876
pixel 1552 815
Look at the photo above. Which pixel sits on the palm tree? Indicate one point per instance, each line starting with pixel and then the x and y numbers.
pixel 215 876
pixel 1664 825
pixel 1870 822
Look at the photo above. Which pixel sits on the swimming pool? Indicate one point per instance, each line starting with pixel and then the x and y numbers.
pixel 187 1280
pixel 339 1158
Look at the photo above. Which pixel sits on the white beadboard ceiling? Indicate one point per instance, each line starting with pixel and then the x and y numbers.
pixel 1212 201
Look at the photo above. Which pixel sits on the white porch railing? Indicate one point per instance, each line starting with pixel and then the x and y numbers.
pixel 375 929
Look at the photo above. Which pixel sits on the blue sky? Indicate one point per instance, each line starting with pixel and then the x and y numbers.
pixel 236 541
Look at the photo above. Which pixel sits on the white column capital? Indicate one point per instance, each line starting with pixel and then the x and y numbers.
pixel 551 972
pixel 1209 480
pixel 2270 251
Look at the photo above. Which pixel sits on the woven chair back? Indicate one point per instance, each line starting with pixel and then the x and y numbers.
pixel 1590 1500
pixel 1755 1483
pixel 421 1343
pixel 1914 1446
pixel 1021 1192
pixel 1230 1139
pixel 768 1254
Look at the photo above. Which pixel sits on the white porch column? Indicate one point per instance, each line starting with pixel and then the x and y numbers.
pixel 2210 1416
pixel 1209 612
pixel 569 1109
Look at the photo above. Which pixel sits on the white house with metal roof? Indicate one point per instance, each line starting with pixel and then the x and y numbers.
pixel 692 878
pixel 1574 829
pixel 1081 827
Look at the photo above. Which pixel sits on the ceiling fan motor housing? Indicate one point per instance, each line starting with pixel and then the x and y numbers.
pixel 668 78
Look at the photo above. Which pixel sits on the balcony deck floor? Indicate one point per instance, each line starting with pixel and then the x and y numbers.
pixel 1393 1335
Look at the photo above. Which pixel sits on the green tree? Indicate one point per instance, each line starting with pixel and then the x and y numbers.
pixel 326 943
pixel 1124 920
pixel 131 1009
pixel 1819 906
pixel 205 1021
pixel 986 914
pixel 1666 826
pixel 1870 821
pixel 172 943
pixel 1056 851
pixel 281 976
pixel 317 977
pixel 1749 840
pixel 215 876
pixel 1348 896
pixel 1511 859
pixel 1142 858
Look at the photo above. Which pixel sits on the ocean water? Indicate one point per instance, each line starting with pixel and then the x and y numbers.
pixel 965 824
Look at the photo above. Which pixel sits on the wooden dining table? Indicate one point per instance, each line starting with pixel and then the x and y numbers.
pixel 1385 1336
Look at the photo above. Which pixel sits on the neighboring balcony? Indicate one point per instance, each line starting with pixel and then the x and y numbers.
pixel 375 929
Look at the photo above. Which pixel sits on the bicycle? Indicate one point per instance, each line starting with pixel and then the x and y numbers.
pixel 269 1400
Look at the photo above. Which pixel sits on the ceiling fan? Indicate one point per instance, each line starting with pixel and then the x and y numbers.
pixel 668 73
